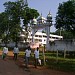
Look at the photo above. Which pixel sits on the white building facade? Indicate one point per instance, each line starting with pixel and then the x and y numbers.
pixel 41 38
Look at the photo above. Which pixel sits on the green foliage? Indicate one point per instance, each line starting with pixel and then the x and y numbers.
pixel 60 63
pixel 65 34
pixel 10 25
pixel 65 17
pixel 64 65
pixel 4 29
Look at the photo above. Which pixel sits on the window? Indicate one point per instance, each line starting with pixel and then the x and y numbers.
pixel 40 40
pixel 54 37
pixel 44 40
pixel 40 36
pixel 45 36
pixel 36 35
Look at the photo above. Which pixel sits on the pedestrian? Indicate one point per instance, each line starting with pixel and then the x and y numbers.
pixel 15 52
pixel 4 53
pixel 36 56
pixel 27 56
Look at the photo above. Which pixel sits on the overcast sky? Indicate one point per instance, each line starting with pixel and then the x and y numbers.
pixel 43 6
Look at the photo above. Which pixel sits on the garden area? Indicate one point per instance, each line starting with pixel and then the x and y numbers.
pixel 51 60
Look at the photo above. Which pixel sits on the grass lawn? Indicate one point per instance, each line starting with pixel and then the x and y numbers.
pixel 52 62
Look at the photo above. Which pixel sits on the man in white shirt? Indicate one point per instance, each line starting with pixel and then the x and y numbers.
pixel 4 53
pixel 27 55
pixel 16 52
pixel 36 56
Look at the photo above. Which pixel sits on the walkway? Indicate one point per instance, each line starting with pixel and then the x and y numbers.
pixel 11 67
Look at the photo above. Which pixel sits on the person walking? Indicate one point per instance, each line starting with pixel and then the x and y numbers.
pixel 27 56
pixel 36 56
pixel 4 53
pixel 15 52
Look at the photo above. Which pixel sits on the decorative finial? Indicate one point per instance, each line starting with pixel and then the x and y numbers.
pixel 41 15
pixel 49 12
pixel 26 3
pixel 49 17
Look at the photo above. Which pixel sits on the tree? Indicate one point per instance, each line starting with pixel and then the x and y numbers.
pixel 65 34
pixel 4 29
pixel 65 17
pixel 12 11
pixel 11 17
pixel 27 15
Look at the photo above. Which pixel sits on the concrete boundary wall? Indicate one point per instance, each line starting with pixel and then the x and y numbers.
pixel 68 45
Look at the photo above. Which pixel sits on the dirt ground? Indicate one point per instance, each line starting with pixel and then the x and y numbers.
pixel 11 67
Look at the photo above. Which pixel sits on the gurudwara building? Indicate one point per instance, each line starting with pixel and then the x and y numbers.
pixel 41 37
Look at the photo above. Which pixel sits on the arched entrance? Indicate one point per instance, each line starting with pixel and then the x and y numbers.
pixel 40 23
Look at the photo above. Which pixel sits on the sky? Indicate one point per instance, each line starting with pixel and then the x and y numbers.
pixel 43 6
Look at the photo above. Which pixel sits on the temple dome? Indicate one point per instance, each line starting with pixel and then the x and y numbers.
pixel 34 21
pixel 41 19
pixel 49 17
